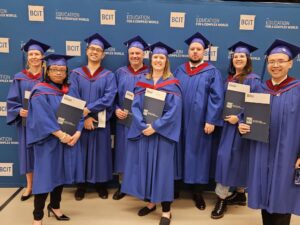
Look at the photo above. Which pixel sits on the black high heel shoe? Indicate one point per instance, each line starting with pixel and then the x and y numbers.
pixel 62 217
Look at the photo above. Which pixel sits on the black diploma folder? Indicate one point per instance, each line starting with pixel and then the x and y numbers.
pixel 69 113
pixel 154 103
pixel 25 106
pixel 129 96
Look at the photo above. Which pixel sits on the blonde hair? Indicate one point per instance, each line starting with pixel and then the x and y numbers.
pixel 167 71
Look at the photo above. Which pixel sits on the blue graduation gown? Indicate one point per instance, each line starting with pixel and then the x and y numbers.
pixel 271 171
pixel 99 92
pixel 55 163
pixel 23 81
pixel 126 79
pixel 149 167
pixel 203 97
pixel 233 152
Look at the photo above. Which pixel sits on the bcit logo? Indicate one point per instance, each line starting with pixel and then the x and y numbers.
pixel 6 169
pixel 73 48
pixel 107 17
pixel 3 111
pixel 177 19
pixel 213 56
pixel 247 22
pixel 4 45
pixel 36 13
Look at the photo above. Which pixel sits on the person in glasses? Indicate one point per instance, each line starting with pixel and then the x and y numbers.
pixel 271 185
pixel 17 105
pixel 97 86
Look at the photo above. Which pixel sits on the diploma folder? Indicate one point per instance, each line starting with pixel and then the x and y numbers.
pixel 25 105
pixel 235 99
pixel 257 116
pixel 129 96
pixel 69 113
pixel 154 103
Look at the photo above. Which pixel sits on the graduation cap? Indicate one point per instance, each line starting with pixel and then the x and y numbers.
pixel 242 47
pixel 137 42
pixel 56 59
pixel 199 38
pixel 280 46
pixel 97 39
pixel 35 45
pixel 161 48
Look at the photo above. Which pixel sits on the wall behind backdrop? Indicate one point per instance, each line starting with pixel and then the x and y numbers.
pixel 65 24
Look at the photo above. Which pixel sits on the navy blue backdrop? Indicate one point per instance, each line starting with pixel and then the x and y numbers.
pixel 65 24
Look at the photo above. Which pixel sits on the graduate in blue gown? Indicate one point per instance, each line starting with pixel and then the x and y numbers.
pixel 149 167
pixel 57 155
pixel 203 96
pixel 233 152
pixel 97 86
pixel 17 111
pixel 272 165
pixel 126 77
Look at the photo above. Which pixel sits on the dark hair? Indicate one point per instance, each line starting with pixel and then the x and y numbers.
pixel 47 78
pixel 247 69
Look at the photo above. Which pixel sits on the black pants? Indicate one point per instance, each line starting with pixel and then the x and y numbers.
pixel 40 199
pixel 166 206
pixel 275 218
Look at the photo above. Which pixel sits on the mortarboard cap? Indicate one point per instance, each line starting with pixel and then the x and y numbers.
pixel 35 45
pixel 97 39
pixel 137 42
pixel 199 38
pixel 161 48
pixel 279 46
pixel 56 59
pixel 242 47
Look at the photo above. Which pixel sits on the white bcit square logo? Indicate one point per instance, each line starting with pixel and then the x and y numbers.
pixel 247 22
pixel 108 17
pixel 36 13
pixel 3 111
pixel 4 45
pixel 177 19
pixel 73 48
pixel 213 54
pixel 6 169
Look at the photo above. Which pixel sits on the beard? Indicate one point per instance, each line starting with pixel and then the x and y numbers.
pixel 195 61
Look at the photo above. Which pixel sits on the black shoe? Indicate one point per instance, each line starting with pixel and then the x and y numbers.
pixel 102 192
pixel 220 209
pixel 79 194
pixel 236 199
pixel 118 195
pixel 145 211
pixel 165 220
pixel 62 217
pixel 199 201
pixel 26 197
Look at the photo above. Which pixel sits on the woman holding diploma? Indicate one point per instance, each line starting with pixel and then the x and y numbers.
pixel 16 105
pixel 57 155
pixel 149 167
pixel 233 155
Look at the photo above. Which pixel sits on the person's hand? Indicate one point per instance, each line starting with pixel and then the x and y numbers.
pixel 244 128
pixel 297 165
pixel 23 112
pixel 65 138
pixel 74 138
pixel 209 128
pixel 85 111
pixel 88 123
pixel 121 114
pixel 149 130
pixel 232 119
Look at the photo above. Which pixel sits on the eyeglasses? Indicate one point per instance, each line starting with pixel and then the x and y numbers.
pixel 58 71
pixel 95 49
pixel 279 62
